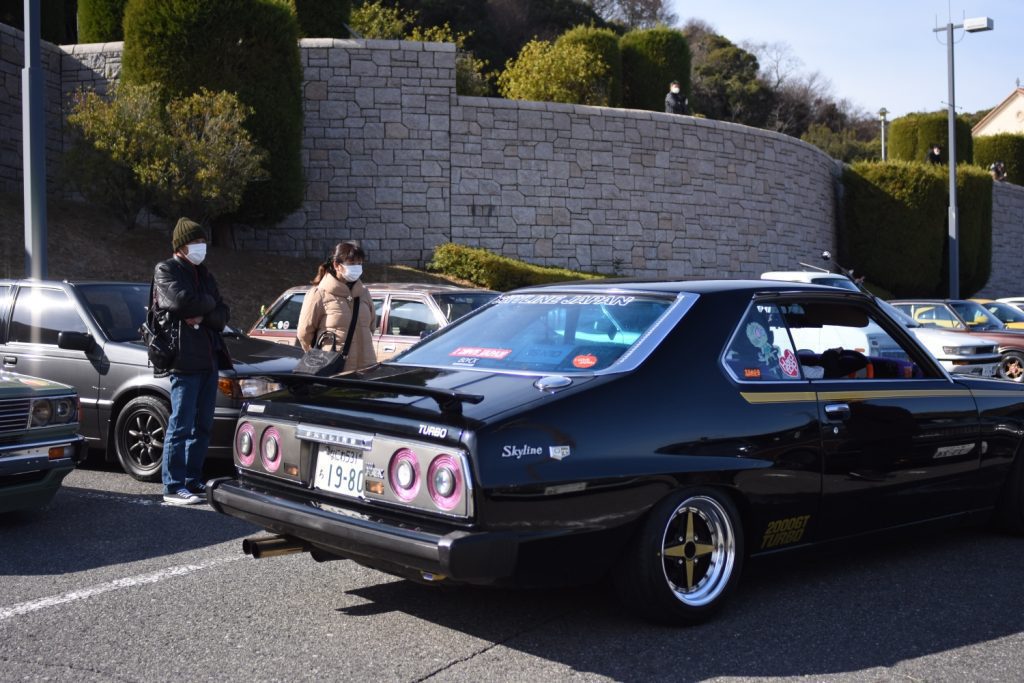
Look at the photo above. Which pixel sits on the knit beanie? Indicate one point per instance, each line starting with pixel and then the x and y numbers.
pixel 186 231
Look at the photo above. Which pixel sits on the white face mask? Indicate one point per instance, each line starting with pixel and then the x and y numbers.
pixel 675 90
pixel 352 273
pixel 196 253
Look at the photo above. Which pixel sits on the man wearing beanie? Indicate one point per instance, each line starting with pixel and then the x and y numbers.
pixel 186 297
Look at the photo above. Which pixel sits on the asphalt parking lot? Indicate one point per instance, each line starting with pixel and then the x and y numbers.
pixel 108 584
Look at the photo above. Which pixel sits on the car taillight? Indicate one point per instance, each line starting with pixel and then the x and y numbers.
pixel 444 481
pixel 404 474
pixel 270 449
pixel 245 444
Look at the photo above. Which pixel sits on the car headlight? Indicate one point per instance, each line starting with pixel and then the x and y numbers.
pixel 958 350
pixel 42 412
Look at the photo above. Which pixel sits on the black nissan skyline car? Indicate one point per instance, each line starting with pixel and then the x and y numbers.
pixel 659 433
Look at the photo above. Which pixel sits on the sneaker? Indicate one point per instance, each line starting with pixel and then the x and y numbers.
pixel 182 497
pixel 198 488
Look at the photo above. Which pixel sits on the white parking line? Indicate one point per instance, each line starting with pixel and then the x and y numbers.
pixel 117 584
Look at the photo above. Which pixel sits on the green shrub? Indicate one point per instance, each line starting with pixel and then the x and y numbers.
pixel 248 47
pixel 1005 147
pixel 191 157
pixel 100 21
pixel 895 226
pixel 911 136
pixel 651 59
pixel 381 22
pixel 559 72
pixel 322 18
pixel 487 269
pixel 604 44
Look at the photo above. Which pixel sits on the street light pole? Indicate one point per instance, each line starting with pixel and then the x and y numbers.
pixel 881 115
pixel 971 26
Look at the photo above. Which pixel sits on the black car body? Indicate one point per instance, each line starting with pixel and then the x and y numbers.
pixel 39 445
pixel 659 431
pixel 86 334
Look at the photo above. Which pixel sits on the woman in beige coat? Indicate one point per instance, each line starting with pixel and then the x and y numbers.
pixel 328 307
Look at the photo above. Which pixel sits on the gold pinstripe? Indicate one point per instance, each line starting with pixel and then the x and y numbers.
pixel 862 395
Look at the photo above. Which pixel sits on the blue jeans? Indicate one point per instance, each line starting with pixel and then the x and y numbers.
pixel 193 397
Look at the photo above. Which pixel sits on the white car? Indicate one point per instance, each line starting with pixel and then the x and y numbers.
pixel 958 353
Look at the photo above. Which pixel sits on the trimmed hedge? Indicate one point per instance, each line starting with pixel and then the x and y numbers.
pixel 101 21
pixel 604 43
pixel 895 226
pixel 651 59
pixel 911 136
pixel 1005 147
pixel 487 269
pixel 323 18
pixel 248 47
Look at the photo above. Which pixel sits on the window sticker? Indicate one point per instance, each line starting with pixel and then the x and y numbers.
pixel 751 373
pixel 480 352
pixel 567 299
pixel 584 361
pixel 787 361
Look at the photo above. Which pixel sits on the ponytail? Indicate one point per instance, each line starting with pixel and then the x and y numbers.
pixel 322 269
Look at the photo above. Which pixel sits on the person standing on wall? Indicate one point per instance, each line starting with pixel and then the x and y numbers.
pixel 330 305
pixel 675 101
pixel 186 294
pixel 935 154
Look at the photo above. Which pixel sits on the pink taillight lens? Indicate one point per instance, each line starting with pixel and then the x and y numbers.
pixel 404 474
pixel 445 481
pixel 270 449
pixel 245 445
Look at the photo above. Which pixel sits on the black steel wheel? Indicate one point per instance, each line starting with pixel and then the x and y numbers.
pixel 1011 366
pixel 686 560
pixel 139 437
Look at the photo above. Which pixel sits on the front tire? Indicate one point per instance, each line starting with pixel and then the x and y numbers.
pixel 139 437
pixel 685 561
pixel 1011 366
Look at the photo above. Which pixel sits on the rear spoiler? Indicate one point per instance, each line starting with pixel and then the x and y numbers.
pixel 449 402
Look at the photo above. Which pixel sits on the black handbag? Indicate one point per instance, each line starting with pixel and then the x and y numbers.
pixel 326 362
pixel 158 336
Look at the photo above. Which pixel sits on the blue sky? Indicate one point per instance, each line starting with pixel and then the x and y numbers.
pixel 883 53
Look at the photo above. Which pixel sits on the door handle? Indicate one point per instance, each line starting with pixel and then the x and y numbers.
pixel 387 349
pixel 837 411
pixel 10 360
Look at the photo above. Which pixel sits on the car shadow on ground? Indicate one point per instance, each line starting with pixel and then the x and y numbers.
pixel 84 528
pixel 870 605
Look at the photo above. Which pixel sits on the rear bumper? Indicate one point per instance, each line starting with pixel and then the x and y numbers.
pixel 474 557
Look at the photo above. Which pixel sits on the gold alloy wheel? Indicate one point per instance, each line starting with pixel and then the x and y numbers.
pixel 698 551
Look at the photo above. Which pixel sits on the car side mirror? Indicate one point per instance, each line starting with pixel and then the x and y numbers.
pixel 75 341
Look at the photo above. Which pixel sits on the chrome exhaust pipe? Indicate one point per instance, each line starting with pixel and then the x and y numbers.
pixel 271 546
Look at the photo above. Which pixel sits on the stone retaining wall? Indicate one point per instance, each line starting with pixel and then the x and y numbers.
pixel 1007 238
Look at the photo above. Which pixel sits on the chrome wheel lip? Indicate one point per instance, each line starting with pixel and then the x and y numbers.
pixel 717 526
pixel 1011 361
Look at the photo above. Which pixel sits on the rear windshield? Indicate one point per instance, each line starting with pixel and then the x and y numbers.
pixel 543 333
pixel 454 305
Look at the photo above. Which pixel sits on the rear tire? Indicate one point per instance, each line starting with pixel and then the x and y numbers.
pixel 685 561
pixel 139 437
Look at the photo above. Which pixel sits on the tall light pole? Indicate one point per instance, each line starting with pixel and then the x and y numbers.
pixel 881 115
pixel 971 26
pixel 33 134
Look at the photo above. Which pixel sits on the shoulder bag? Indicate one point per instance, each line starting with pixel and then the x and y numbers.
pixel 326 362
pixel 159 338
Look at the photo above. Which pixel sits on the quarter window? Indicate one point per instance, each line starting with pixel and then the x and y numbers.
pixel 410 318
pixel 760 349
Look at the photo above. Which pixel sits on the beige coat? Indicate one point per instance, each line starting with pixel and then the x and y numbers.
pixel 328 307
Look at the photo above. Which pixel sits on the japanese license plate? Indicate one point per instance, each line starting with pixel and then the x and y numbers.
pixel 339 470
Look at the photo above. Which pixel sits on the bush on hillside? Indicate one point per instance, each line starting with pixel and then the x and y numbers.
pixel 651 59
pixel 247 47
pixel 1005 147
pixel 100 21
pixel 487 269
pixel 556 72
pixel 911 136
pixel 191 157
pixel 895 226
pixel 604 44
pixel 322 18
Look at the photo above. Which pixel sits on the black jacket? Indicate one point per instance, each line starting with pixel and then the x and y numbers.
pixel 676 103
pixel 182 291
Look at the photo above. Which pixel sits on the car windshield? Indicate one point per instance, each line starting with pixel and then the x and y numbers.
pixel 975 315
pixel 454 305
pixel 118 308
pixel 551 332
pixel 1005 312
